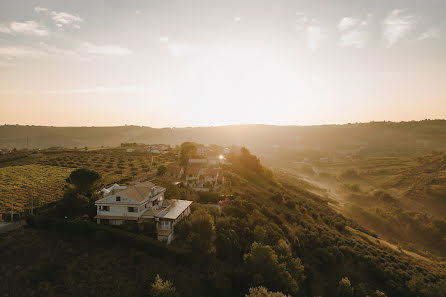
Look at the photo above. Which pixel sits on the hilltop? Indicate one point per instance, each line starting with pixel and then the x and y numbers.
pixel 379 138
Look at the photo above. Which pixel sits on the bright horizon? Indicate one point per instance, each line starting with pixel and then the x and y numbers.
pixel 178 64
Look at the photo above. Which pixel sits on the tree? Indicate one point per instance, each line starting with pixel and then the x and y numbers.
pixel 83 179
pixel 265 268
pixel 263 292
pixel 162 288
pixel 188 150
pixel 250 161
pixel 378 293
pixel 202 229
pixel 345 288
pixel 161 170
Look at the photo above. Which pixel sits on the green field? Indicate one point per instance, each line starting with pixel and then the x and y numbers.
pixel 19 185
pixel 40 177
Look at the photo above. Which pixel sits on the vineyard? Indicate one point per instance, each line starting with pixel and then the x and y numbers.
pixel 39 178
pixel 114 165
pixel 30 184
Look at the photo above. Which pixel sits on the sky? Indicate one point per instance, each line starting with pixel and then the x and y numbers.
pixel 176 63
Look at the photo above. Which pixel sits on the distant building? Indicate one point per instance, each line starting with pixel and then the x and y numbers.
pixel 202 151
pixel 142 202
pixel 198 161
pixel 157 148
pixel 175 172
pixel 210 176
pixel 192 175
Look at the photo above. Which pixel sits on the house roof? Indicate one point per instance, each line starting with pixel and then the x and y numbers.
pixel 193 170
pixel 112 188
pixel 151 213
pixel 211 172
pixel 175 209
pixel 140 191
pixel 174 170
pixel 198 160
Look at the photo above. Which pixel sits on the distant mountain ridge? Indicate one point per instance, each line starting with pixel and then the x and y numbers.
pixel 397 137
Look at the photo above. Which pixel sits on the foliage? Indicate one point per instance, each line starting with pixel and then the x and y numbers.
pixel 265 269
pixel 30 185
pixel 188 150
pixel 345 288
pixel 263 292
pixel 162 288
pixel 201 230
pixel 83 179
pixel 161 170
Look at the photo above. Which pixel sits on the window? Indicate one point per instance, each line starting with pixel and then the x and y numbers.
pixel 104 208
pixel 131 209
pixel 164 225
pixel 118 198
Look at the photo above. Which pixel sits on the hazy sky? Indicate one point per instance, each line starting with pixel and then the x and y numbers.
pixel 195 63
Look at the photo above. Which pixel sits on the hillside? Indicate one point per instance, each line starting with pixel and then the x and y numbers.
pixel 400 198
pixel 378 138
pixel 270 232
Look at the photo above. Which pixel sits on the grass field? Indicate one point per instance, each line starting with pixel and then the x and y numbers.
pixel 21 184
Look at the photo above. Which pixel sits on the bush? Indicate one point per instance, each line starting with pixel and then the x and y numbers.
pixel 208 197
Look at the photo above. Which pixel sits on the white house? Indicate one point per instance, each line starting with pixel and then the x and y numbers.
pixel 142 202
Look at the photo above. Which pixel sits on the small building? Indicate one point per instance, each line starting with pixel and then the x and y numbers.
pixel 210 176
pixel 202 151
pixel 193 174
pixel 214 160
pixel 201 162
pixel 140 203
pixel 175 172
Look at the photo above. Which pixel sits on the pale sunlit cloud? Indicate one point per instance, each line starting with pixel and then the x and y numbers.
pixel 398 25
pixel 63 19
pixel 40 9
pixel 26 28
pixel 314 33
pixel 237 19
pixel 14 52
pixel 432 33
pixel 353 32
pixel 5 29
pixel 104 50
pixel 347 23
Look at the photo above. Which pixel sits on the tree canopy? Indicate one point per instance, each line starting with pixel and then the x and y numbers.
pixel 162 288
pixel 83 179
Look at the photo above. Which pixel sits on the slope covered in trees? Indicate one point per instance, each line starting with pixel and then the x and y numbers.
pixel 268 233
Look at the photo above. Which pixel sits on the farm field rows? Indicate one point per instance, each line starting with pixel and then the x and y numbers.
pixel 113 165
pixel 43 175
pixel 22 184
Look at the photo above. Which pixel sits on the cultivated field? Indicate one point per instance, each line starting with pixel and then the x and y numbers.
pixel 42 175
pixel 30 184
